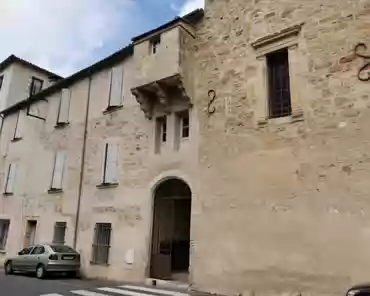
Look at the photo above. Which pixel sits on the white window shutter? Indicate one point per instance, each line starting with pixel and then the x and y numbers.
pixel 58 170
pixel 103 163
pixel 11 178
pixel 64 106
pixel 19 125
pixel 112 164
pixel 116 87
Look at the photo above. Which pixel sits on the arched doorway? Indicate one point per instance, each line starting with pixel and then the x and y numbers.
pixel 171 231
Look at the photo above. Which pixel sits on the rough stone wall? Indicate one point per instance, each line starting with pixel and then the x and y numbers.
pixel 284 208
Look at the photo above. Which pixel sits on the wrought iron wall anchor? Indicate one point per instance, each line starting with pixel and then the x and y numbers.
pixel 364 72
pixel 212 97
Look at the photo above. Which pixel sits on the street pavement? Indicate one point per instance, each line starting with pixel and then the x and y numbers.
pixel 28 285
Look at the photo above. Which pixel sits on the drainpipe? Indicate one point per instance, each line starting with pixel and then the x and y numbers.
pixel 77 221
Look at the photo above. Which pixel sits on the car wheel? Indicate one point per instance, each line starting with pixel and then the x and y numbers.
pixel 40 271
pixel 8 268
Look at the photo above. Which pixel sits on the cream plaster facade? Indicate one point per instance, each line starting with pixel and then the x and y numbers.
pixel 278 206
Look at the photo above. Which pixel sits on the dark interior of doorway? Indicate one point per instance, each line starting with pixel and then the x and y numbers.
pixel 171 231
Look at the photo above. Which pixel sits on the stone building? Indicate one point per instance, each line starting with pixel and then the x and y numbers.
pixel 232 145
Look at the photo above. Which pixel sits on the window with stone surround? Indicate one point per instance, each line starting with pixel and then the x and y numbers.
pixel 59 233
pixel 278 61
pixel 35 85
pixel 155 42
pixel 160 132
pixel 278 84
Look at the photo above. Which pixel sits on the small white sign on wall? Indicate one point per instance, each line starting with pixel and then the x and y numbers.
pixel 130 256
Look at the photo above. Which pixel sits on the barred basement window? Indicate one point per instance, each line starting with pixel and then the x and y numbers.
pixel 59 233
pixel 4 228
pixel 101 245
pixel 279 85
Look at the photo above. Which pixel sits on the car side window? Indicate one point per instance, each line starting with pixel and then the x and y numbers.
pixel 38 250
pixel 25 251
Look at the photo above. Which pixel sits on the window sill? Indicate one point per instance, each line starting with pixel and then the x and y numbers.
pixel 99 264
pixel 54 190
pixel 112 109
pixel 61 124
pixel 107 185
pixel 8 193
pixel 16 139
pixel 295 117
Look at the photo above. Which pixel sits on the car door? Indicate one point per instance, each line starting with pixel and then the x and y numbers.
pixel 19 262
pixel 35 257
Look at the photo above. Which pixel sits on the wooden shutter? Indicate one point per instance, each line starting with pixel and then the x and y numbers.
pixel 111 164
pixel 18 132
pixel 58 170
pixel 116 87
pixel 65 99
pixel 10 181
pixel 104 163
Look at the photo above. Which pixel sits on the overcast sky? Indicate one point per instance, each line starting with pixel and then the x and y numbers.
pixel 66 36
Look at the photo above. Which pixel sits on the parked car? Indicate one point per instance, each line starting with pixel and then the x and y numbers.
pixel 44 259
pixel 359 290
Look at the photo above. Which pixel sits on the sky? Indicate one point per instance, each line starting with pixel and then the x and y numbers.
pixel 69 35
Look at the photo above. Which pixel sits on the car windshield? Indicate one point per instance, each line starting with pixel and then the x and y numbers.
pixel 62 249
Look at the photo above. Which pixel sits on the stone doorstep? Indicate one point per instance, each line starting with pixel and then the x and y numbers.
pixel 166 284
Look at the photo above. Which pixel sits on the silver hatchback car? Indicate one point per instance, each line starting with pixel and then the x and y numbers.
pixel 44 259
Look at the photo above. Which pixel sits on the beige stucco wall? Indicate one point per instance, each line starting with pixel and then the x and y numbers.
pixel 283 208
pixel 19 83
pixel 34 155
pixel 4 92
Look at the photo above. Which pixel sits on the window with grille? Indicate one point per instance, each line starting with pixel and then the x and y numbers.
pixel 36 85
pixel 279 85
pixel 101 245
pixel 4 228
pixel 59 233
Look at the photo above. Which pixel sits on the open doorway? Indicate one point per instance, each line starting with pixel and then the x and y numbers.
pixel 29 237
pixel 171 231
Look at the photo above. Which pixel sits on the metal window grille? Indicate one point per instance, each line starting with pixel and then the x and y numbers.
pixel 101 245
pixel 279 85
pixel 59 232
pixel 4 228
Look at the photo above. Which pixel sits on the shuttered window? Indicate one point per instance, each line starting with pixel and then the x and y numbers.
pixel 59 233
pixel 35 85
pixel 10 178
pixel 4 229
pixel 101 244
pixel 18 131
pixel 110 164
pixel 58 170
pixel 116 86
pixel 63 113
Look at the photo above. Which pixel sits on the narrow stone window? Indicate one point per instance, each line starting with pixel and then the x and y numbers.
pixel 279 84
pixel 57 180
pixel 110 164
pixel 116 88
pixel 64 104
pixel 10 179
pixel 101 245
pixel 4 229
pixel 59 233
pixel 184 124
pixel 155 42
pixel 160 133
pixel 18 131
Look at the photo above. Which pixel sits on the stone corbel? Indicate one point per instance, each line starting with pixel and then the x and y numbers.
pixel 145 104
pixel 161 94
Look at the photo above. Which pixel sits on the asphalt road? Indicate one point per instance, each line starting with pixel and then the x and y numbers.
pixel 29 285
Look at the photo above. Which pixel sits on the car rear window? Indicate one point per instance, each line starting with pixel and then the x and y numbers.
pixel 62 249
